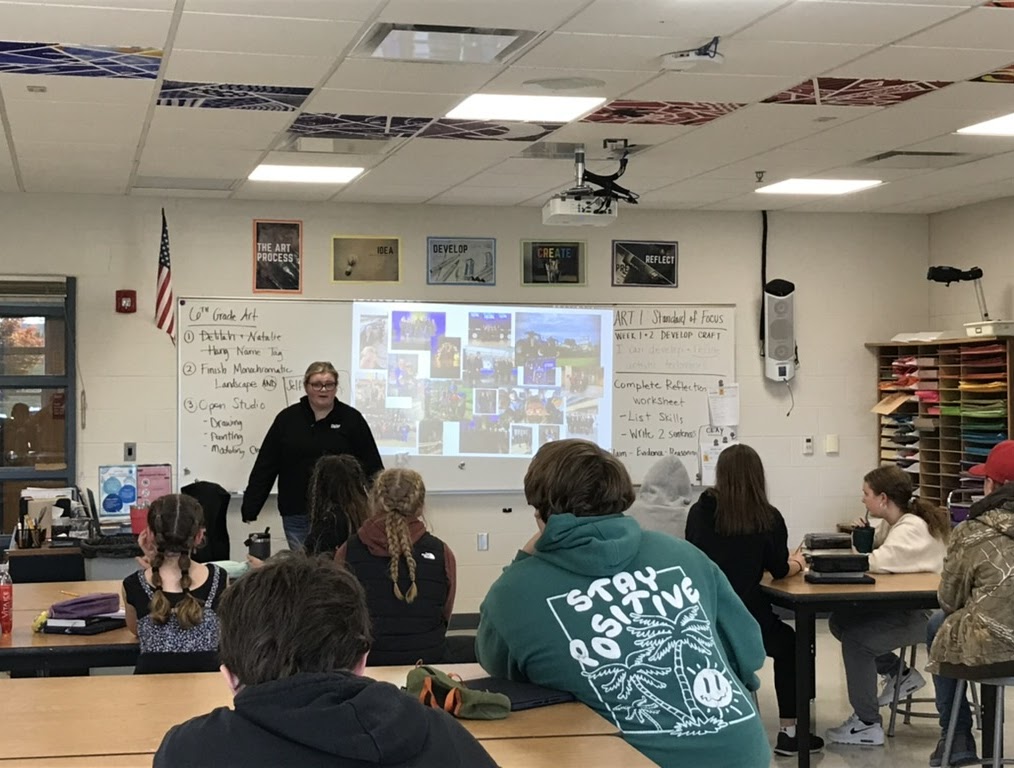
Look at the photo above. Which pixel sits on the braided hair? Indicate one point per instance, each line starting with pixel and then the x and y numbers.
pixel 175 521
pixel 337 496
pixel 397 497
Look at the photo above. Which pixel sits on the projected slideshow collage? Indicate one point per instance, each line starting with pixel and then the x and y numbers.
pixel 449 380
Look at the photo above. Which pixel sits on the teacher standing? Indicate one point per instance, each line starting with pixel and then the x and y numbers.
pixel 318 425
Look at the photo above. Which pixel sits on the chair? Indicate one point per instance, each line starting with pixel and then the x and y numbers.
pixel 1001 683
pixel 906 707
pixel 214 500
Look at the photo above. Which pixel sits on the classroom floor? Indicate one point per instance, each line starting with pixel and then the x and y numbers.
pixel 911 745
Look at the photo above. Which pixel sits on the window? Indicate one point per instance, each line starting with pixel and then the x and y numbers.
pixel 37 413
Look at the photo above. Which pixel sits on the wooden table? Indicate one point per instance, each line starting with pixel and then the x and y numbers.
pixel 900 591
pixel 38 597
pixel 85 706
pixel 26 651
pixel 547 752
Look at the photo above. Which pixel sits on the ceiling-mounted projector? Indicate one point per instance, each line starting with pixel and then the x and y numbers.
pixel 574 212
pixel 587 205
pixel 681 61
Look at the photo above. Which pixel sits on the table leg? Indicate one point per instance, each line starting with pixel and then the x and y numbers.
pixel 987 700
pixel 805 679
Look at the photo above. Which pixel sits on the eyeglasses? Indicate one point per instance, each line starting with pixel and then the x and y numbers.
pixel 329 386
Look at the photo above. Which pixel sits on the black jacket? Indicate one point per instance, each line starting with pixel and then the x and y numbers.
pixel 743 559
pixel 214 501
pixel 335 720
pixel 403 632
pixel 292 446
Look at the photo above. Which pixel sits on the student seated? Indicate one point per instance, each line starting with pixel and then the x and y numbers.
pixel 664 497
pixel 975 626
pixel 171 604
pixel 735 525
pixel 408 573
pixel 337 504
pixel 295 637
pixel 911 538
pixel 638 625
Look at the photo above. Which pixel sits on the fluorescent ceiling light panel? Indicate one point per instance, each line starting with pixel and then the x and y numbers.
pixel 305 174
pixel 542 109
pixel 818 186
pixel 999 126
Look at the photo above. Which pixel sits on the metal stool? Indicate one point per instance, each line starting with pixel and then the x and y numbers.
pixel 906 707
pixel 998 759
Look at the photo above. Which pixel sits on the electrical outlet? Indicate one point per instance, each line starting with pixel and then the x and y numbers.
pixel 482 542
pixel 130 451
pixel 808 446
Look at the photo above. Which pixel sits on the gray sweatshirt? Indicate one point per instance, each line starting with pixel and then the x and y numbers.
pixel 662 503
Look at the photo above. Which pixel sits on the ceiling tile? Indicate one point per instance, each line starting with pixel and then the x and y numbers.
pixel 475 195
pixel 769 57
pixel 614 83
pixel 84 25
pixel 346 10
pixel 984 28
pixel 982 98
pixel 263 69
pixel 78 167
pixel 84 90
pixel 382 103
pixel 262 190
pixel 261 34
pixel 701 19
pixel 66 180
pixel 689 86
pixel 910 63
pixel 617 52
pixel 199 193
pixel 628 112
pixel 696 192
pixel 368 74
pixel 785 163
pixel 834 22
pixel 226 128
pixel 330 159
pixel 198 162
pixel 853 92
pixel 144 5
pixel 72 122
pixel 79 61
pixel 595 133
pixel 516 14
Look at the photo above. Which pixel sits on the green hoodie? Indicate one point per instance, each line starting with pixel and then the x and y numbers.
pixel 641 627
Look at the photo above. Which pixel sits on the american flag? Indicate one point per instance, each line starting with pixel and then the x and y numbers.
pixel 165 307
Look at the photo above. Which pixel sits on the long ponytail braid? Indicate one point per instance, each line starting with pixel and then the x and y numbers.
pixel 398 496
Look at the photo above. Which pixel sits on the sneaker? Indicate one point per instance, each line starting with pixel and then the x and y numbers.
pixel 962 753
pixel 788 746
pixel 855 731
pixel 911 682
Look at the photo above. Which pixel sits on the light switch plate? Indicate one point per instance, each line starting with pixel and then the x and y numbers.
pixel 130 451
pixel 482 542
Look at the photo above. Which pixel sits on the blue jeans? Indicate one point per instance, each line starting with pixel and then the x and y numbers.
pixel 947 687
pixel 296 528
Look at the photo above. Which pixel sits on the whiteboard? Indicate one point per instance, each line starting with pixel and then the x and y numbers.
pixel 241 361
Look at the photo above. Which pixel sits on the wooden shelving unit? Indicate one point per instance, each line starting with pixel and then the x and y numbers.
pixel 959 406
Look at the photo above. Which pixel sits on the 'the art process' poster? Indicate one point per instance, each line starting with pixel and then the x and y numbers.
pixel 278 256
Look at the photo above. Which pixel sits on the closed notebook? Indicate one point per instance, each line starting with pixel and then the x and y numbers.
pixel 93 626
pixel 522 695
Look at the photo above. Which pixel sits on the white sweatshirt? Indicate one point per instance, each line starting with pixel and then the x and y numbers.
pixel 906 547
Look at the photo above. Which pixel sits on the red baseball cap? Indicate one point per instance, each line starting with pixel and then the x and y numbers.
pixel 999 466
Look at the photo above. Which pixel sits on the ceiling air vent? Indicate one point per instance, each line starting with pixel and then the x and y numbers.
pixel 443 44
pixel 913 159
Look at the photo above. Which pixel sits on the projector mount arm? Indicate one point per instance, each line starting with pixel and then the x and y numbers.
pixel 607 186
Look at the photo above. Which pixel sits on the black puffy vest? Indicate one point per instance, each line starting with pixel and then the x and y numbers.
pixel 404 633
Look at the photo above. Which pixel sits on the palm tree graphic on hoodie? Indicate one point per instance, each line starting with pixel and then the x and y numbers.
pixel 660 639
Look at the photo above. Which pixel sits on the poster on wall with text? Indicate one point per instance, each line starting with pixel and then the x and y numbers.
pixel 278 256
pixel 552 262
pixel 645 263
pixel 461 261
pixel 365 259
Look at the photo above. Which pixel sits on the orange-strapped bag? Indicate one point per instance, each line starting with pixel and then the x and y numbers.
pixel 440 690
